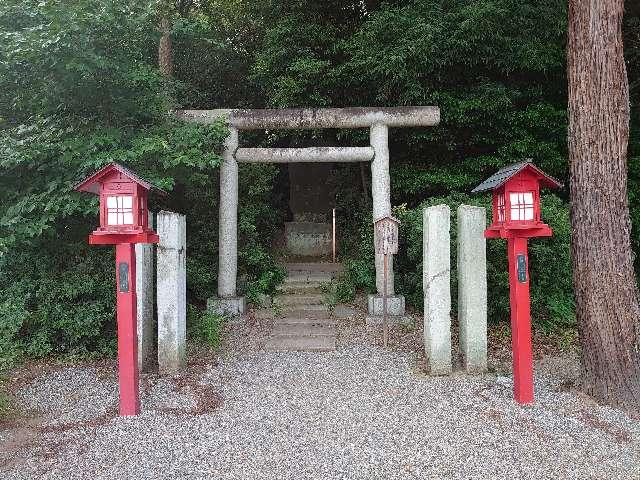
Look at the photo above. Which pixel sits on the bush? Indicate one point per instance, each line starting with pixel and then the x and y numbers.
pixel 552 304
pixel 204 326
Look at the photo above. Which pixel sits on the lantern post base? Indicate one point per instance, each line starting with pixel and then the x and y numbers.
pixel 234 306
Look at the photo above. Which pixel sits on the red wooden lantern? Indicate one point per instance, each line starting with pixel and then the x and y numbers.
pixel 516 217
pixel 124 221
pixel 516 201
pixel 123 196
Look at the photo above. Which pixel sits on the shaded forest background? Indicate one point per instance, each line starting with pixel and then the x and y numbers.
pixel 80 87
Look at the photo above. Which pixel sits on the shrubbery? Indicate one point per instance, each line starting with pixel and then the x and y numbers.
pixel 67 107
pixel 550 263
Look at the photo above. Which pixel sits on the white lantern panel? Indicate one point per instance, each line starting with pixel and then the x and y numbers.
pixel 521 206
pixel 120 210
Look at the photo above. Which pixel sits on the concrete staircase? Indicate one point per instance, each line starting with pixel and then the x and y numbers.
pixel 306 323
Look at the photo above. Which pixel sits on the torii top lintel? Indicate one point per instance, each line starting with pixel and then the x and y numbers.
pixel 309 118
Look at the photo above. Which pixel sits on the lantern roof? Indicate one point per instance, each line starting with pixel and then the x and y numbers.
pixel 91 183
pixel 387 217
pixel 504 174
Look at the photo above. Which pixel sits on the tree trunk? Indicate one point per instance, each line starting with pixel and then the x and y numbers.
pixel 165 60
pixel 606 293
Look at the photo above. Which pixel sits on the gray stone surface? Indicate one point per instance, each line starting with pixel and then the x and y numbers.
pixel 304 155
pixel 318 343
pixel 233 306
pixel 171 291
pixel 146 324
pixel 324 321
pixel 358 413
pixel 294 118
pixel 302 330
pixel 437 289
pixel 395 305
pixel 228 219
pixel 472 287
pixel 381 196
pixel 311 307
pixel 344 311
pixel 308 239
pixel 292 299
pixel 307 325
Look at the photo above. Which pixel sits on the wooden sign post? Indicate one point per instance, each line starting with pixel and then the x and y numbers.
pixel 386 243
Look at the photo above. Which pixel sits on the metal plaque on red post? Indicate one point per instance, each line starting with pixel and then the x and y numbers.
pixel 517 217
pixel 385 238
pixel 124 221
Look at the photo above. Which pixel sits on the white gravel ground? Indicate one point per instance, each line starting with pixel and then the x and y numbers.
pixel 357 413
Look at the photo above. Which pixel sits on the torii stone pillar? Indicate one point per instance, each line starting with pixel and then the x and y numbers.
pixel 227 301
pixel 381 197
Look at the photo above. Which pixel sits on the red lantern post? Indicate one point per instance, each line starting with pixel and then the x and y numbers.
pixel 516 217
pixel 124 221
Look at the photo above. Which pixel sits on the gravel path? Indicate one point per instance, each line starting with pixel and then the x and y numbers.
pixel 358 413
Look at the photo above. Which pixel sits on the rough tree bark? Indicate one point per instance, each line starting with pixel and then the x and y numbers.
pixel 606 293
pixel 165 59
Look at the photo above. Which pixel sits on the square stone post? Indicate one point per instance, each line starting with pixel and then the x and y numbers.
pixel 144 292
pixel 472 287
pixel 227 301
pixel 437 289
pixel 172 291
pixel 381 196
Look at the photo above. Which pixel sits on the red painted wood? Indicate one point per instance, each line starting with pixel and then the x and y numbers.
pixel 117 238
pixel 127 333
pixel 520 323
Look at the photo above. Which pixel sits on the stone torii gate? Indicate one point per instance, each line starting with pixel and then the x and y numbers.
pixel 377 119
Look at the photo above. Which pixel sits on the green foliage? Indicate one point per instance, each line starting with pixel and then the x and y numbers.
pixel 552 305
pixel 204 326
pixel 78 89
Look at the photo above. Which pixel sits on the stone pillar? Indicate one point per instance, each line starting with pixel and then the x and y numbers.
pixel 228 232
pixel 437 289
pixel 472 287
pixel 381 193
pixel 381 196
pixel 172 291
pixel 144 291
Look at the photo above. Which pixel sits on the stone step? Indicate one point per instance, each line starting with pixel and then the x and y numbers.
pixel 314 267
pixel 301 300
pixel 293 312
pixel 307 277
pixel 304 321
pixel 301 287
pixel 303 310
pixel 301 344
pixel 302 330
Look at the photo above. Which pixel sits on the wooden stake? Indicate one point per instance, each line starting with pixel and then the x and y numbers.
pixel 334 235
pixel 385 322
